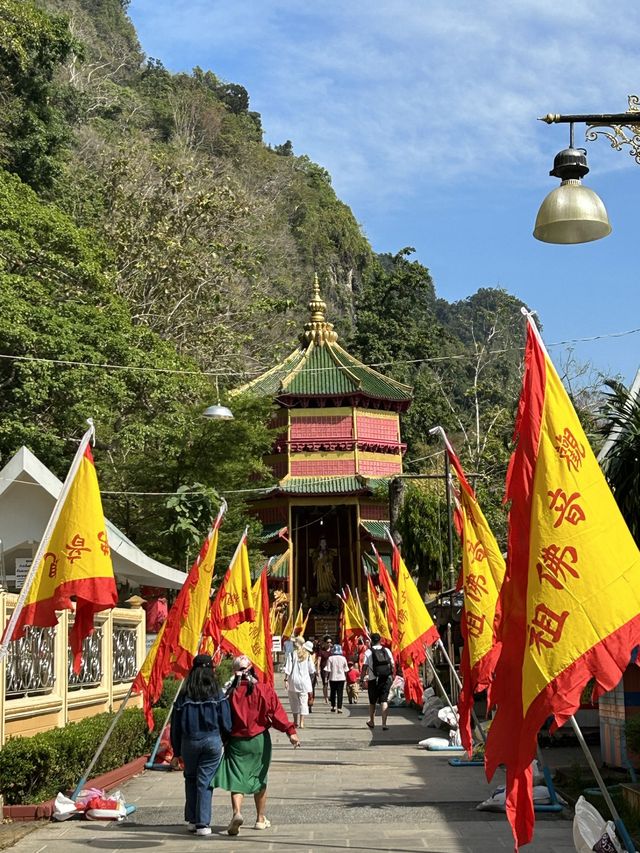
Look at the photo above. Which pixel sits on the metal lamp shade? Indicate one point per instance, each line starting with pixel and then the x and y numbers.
pixel 571 213
pixel 218 413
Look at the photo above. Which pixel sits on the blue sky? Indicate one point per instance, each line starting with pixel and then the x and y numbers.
pixel 425 113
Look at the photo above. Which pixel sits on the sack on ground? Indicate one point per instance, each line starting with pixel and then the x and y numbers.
pixel 591 833
pixel 64 808
pixel 430 711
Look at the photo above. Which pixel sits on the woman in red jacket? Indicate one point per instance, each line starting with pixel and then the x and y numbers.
pixel 255 708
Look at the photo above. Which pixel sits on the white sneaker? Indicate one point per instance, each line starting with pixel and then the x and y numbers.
pixel 191 827
pixel 203 830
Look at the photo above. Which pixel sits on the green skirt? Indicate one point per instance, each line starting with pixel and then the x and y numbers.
pixel 245 764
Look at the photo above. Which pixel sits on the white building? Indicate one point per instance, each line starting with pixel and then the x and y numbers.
pixel 28 492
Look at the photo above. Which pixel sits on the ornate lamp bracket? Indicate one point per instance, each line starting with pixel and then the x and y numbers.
pixel 621 129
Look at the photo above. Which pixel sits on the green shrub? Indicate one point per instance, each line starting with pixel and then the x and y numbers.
pixel 169 690
pixel 35 768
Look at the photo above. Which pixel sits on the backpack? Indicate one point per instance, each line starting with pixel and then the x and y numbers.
pixel 380 663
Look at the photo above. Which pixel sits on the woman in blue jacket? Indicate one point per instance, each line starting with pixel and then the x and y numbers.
pixel 200 719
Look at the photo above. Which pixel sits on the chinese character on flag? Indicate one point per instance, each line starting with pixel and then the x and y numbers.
pixel 571 596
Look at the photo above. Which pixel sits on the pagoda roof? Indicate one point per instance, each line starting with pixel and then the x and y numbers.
pixel 320 367
pixel 354 485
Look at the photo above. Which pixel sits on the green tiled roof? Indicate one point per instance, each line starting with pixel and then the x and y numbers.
pixel 321 368
pixel 326 370
pixel 270 532
pixel 280 566
pixel 323 486
pixel 376 529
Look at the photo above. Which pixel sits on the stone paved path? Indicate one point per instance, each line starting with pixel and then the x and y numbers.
pixel 345 788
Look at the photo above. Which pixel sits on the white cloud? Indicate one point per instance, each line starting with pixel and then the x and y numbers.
pixel 390 96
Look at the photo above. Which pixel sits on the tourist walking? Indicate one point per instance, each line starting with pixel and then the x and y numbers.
pixel 337 668
pixel 378 670
pixel 299 667
pixel 322 656
pixel 353 684
pixel 200 719
pixel 255 708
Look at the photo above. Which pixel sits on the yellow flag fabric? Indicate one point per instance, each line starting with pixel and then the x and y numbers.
pixel 354 623
pixel 377 620
pixel 193 621
pixel 483 569
pixel 415 625
pixel 300 621
pixel 287 631
pixel 571 596
pixel 178 640
pixel 253 639
pixel 75 572
pixel 234 601
pixel 584 567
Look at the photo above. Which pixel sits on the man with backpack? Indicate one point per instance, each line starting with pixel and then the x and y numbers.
pixel 378 670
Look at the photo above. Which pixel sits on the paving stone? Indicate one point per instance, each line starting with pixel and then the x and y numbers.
pixel 346 788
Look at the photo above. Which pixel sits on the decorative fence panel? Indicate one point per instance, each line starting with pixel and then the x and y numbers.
pixel 38 688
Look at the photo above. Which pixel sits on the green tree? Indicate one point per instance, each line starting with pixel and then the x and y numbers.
pixel 33 129
pixel 423 527
pixel 621 461
pixel 66 327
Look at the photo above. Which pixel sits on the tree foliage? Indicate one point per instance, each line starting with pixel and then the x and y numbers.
pixel 621 463
pixel 166 244
pixel 33 128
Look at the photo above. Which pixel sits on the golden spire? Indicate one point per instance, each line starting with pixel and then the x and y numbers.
pixel 317 330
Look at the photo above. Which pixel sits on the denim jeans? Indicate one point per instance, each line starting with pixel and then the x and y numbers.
pixel 201 758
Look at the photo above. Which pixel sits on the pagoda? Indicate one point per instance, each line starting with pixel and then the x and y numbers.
pixel 338 444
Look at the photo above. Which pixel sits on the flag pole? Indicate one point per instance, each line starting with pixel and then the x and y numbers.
pixel 621 828
pixel 438 682
pixel 123 705
pixel 103 743
pixel 459 682
pixel 150 763
pixel 46 536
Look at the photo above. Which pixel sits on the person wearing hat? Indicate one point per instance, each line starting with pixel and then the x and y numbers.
pixel 299 668
pixel 255 708
pixel 337 668
pixel 201 717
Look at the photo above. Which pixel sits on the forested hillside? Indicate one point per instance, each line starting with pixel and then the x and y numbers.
pixel 151 244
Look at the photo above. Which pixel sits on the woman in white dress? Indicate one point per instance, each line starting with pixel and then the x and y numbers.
pixel 299 668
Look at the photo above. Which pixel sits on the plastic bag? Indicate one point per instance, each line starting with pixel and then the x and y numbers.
pixel 64 808
pixel 449 716
pixel 591 832
pixel 112 807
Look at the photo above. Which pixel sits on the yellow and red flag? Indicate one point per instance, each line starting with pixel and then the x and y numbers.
pixel 178 639
pixel 391 596
pixel 233 603
pixel 377 620
pixel 483 570
pixel 287 631
pixel 301 622
pixel 415 629
pixel 353 624
pixel 72 568
pixel 571 596
pixel 253 639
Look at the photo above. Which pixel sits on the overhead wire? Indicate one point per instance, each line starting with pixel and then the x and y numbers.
pixel 249 373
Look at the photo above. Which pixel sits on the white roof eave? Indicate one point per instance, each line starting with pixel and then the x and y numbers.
pixel 129 560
